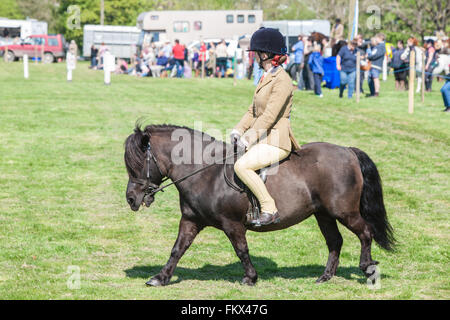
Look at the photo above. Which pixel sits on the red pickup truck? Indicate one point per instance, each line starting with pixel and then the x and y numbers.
pixel 54 47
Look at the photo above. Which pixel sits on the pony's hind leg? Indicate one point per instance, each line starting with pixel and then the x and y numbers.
pixel 330 231
pixel 355 223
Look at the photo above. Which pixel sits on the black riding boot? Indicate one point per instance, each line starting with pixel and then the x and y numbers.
pixel 266 219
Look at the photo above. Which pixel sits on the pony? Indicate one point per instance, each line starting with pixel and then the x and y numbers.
pixel 327 181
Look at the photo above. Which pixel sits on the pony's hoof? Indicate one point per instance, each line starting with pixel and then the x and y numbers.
pixel 154 282
pixel 324 278
pixel 248 281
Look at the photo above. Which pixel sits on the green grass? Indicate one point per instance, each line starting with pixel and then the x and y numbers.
pixel 62 192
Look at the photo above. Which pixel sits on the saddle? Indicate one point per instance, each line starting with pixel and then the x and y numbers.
pixel 254 208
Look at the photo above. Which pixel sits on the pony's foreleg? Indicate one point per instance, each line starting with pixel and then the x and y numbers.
pixel 186 235
pixel 236 233
pixel 330 231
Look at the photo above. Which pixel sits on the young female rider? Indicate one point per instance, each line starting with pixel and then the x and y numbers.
pixel 264 131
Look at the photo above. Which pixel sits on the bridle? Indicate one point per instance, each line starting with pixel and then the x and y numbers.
pixel 151 188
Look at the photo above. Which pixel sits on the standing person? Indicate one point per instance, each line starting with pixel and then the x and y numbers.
pixel 362 48
pixel 346 64
pixel 445 90
pixel 376 57
pixel 399 66
pixel 94 53
pixel 264 131
pixel 316 64
pixel 308 75
pixel 430 64
pixel 222 55
pixel 412 44
pixel 195 61
pixel 337 32
pixel 298 50
pixel 101 52
pixel 202 57
pixel 211 64
pixel 178 55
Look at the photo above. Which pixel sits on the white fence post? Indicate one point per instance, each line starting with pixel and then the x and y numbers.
pixel 25 66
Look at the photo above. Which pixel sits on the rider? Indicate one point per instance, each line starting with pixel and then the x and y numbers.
pixel 264 131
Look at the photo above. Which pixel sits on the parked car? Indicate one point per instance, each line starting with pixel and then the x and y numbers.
pixel 54 47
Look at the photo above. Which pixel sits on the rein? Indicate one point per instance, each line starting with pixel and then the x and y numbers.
pixel 152 188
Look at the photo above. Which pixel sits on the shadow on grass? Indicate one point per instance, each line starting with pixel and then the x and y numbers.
pixel 266 268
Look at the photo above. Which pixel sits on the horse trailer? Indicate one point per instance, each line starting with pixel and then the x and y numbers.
pixel 120 40
pixel 292 28
pixel 193 25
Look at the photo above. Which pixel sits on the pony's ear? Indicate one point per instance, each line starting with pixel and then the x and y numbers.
pixel 144 140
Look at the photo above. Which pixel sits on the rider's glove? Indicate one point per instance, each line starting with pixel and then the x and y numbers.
pixel 236 139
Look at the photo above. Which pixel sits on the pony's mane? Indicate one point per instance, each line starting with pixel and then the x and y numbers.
pixel 134 151
pixel 152 128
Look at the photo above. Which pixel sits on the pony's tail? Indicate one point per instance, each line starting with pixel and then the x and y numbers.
pixel 371 204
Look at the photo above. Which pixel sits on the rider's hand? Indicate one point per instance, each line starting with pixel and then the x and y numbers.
pixel 236 139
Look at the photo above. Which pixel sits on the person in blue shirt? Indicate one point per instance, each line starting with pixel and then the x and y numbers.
pixel 298 50
pixel 346 64
pixel 376 57
pixel 315 62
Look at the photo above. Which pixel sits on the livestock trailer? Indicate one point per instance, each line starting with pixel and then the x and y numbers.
pixel 120 40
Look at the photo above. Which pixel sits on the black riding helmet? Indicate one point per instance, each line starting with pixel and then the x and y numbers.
pixel 268 40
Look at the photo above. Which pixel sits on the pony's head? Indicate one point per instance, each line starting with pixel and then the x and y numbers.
pixel 142 169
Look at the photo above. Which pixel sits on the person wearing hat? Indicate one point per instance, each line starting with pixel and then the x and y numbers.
pixel 264 131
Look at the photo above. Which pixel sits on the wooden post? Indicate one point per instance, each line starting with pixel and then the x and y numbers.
pixel 5 54
pixel 358 75
pixel 412 76
pixel 423 77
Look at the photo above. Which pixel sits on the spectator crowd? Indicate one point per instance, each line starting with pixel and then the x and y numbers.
pixel 306 65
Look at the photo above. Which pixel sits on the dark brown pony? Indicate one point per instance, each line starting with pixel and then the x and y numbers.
pixel 331 182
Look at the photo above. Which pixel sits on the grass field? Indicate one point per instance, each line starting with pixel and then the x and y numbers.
pixel 63 180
